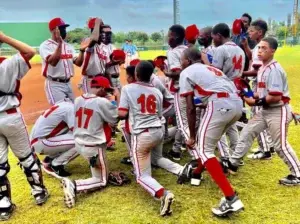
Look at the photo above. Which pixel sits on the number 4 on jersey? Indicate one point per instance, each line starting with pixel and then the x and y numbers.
pixel 88 114
pixel 237 63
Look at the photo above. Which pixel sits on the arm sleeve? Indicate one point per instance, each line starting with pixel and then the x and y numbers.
pixel 108 111
pixel 173 61
pixel 275 82
pixel 185 86
pixel 124 101
pixel 218 58
pixel 45 51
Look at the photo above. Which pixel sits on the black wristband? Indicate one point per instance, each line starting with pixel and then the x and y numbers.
pixel 82 51
pixel 261 102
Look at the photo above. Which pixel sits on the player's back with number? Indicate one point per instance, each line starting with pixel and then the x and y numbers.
pixel 229 58
pixel 144 103
pixel 91 114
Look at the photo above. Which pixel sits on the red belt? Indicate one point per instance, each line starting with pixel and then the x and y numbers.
pixel 34 141
pixel 223 95
pixel 11 111
pixel 93 76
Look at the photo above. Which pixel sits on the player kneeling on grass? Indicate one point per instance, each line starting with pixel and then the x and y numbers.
pixel 224 107
pixel 273 96
pixel 52 135
pixel 93 114
pixel 143 103
pixel 13 130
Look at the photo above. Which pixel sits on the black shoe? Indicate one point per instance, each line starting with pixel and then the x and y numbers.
pixel 228 206
pixel 175 155
pixel 272 150
pixel 260 155
pixel 60 171
pixel 196 179
pixel 290 180
pixel 6 213
pixel 185 174
pixel 228 167
pixel 47 160
pixel 117 130
pixel 42 197
pixel 123 139
pixel 242 163
pixel 126 160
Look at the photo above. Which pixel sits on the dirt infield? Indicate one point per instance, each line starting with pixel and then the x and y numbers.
pixel 34 100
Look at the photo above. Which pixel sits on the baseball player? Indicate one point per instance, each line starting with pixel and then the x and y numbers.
pixel 131 52
pixel 143 103
pixel 273 96
pixel 256 32
pixel 229 58
pixel 224 107
pixel 205 40
pixel 176 36
pixel 52 135
pixel 13 129
pixel 58 58
pixel 93 113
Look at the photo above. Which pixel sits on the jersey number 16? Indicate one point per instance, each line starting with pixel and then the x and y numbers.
pixel 79 115
pixel 148 104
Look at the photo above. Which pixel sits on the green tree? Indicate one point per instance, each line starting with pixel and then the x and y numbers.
pixel 77 35
pixel 142 37
pixel 156 36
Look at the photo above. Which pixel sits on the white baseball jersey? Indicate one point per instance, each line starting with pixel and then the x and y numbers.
pixel 272 79
pixel 144 103
pixel 12 70
pixel 95 60
pixel 92 113
pixel 204 81
pixel 229 58
pixel 64 68
pixel 174 63
pixel 56 120
pixel 108 49
pixel 157 83
pixel 208 53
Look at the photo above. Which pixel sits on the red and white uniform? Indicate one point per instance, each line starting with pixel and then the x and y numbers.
pixel 95 60
pixel 57 84
pixel 52 133
pixel 92 116
pixel 144 103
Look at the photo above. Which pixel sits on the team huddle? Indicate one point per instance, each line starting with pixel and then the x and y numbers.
pixel 199 104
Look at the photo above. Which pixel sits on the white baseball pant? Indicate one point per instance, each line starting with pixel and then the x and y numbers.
pixel 57 91
pixel 60 148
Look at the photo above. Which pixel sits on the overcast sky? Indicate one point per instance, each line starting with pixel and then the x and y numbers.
pixel 143 15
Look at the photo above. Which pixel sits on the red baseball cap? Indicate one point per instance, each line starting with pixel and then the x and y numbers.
pixel 56 22
pixel 91 23
pixel 101 81
pixel 191 32
pixel 134 62
pixel 2 59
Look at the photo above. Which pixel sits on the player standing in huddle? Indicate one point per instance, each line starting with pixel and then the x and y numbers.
pixel 143 103
pixel 256 32
pixel 58 58
pixel 205 40
pixel 224 108
pixel 93 113
pixel 229 58
pixel 273 96
pixel 13 129
pixel 191 35
pixel 52 135
pixel 176 36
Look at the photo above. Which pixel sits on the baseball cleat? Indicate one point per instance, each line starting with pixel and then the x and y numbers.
pixel 227 207
pixel 55 171
pixel 255 150
pixel 242 163
pixel 175 155
pixel 42 197
pixel 126 160
pixel 166 202
pixel 185 173
pixel 183 147
pixel 46 161
pixel 69 192
pixel 228 167
pixel 290 180
pixel 196 179
pixel 260 155
pixel 6 213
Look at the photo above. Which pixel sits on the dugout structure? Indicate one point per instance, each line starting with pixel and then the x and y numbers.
pixel 32 33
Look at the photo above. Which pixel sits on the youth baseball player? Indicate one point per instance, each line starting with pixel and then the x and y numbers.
pixel 224 107
pixel 273 96
pixel 93 113
pixel 58 58
pixel 257 32
pixel 52 135
pixel 205 40
pixel 13 129
pixel 143 103
pixel 229 58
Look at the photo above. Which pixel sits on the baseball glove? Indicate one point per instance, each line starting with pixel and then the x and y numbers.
pixel 243 87
pixel 118 178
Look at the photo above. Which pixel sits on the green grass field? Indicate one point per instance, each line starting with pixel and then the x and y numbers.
pixel 257 183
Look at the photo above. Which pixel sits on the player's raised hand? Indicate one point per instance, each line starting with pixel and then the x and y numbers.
pixel 2 37
pixel 98 21
pixel 57 36
pixel 85 43
pixel 116 92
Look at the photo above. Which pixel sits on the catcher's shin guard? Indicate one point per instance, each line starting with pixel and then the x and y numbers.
pixel 32 169
pixel 5 190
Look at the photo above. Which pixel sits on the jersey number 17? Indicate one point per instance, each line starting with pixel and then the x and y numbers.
pixel 79 115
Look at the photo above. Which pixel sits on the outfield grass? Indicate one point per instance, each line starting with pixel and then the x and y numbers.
pixel 257 183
